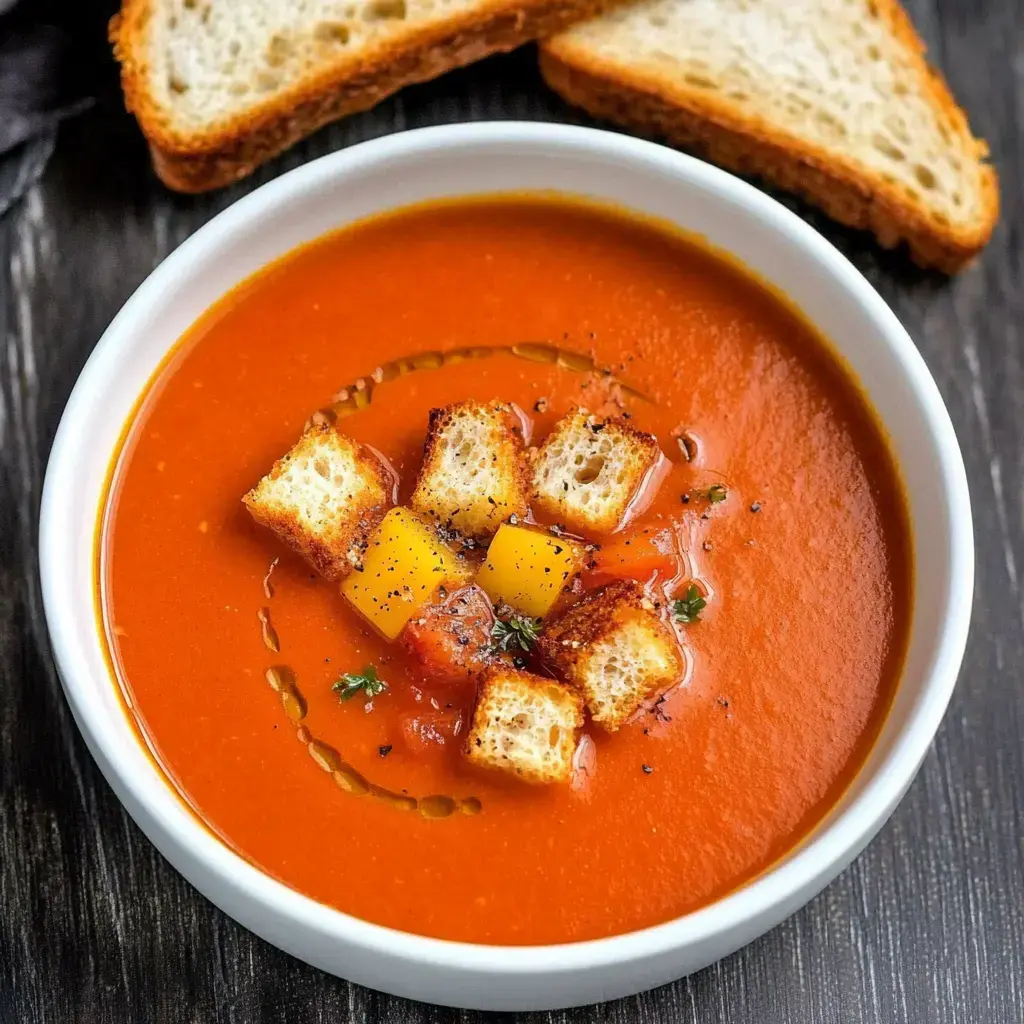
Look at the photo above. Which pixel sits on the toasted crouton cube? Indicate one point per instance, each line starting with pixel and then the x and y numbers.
pixel 526 725
pixel 588 470
pixel 324 498
pixel 613 647
pixel 474 474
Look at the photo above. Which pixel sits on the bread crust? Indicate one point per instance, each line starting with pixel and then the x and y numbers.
pixel 558 499
pixel 751 145
pixel 477 514
pixel 334 554
pixel 500 690
pixel 567 647
pixel 200 161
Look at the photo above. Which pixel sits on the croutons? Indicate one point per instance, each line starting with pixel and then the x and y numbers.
pixel 474 475
pixel 324 498
pixel 451 640
pixel 614 649
pixel 588 470
pixel 526 725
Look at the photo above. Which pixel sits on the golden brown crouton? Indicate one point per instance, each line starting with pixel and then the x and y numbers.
pixel 613 647
pixel 324 498
pixel 588 470
pixel 526 725
pixel 473 476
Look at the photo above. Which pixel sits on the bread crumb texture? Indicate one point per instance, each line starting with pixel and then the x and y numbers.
pixel 209 60
pixel 588 469
pixel 830 98
pixel 526 725
pixel 614 648
pixel 324 498
pixel 473 475
pixel 219 86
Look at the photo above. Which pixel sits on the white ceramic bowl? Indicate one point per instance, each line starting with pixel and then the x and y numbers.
pixel 454 161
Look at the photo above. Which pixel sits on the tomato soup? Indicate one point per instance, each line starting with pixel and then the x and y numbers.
pixel 776 481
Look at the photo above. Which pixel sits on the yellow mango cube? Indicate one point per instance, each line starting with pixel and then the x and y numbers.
pixel 527 568
pixel 403 566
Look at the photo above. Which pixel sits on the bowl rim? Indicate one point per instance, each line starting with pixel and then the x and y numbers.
pixel 834 842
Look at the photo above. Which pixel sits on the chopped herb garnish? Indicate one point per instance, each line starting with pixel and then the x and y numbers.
pixel 516 631
pixel 689 607
pixel 717 493
pixel 384 749
pixel 353 683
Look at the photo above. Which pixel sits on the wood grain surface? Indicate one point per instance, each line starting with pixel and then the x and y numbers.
pixel 926 926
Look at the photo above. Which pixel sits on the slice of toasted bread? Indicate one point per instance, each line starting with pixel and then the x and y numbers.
pixel 218 88
pixel 473 476
pixel 324 498
pixel 588 470
pixel 831 99
pixel 614 649
pixel 526 725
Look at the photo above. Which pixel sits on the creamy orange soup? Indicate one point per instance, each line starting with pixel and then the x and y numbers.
pixel 804 565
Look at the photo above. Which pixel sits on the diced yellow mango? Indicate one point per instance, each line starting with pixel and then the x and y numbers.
pixel 527 568
pixel 403 566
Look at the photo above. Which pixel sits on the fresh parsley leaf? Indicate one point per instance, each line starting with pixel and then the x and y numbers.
pixel 689 607
pixel 366 682
pixel 717 493
pixel 516 631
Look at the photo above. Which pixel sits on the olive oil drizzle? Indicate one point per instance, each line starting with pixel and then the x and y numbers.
pixel 282 681
pixel 351 399
pixel 358 395
pixel 267 631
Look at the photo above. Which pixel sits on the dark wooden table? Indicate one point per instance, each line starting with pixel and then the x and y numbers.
pixel 927 926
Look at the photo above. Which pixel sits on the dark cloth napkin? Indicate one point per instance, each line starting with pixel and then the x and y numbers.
pixel 40 85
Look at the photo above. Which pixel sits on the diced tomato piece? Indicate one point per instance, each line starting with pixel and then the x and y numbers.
pixel 635 556
pixel 429 729
pixel 451 641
